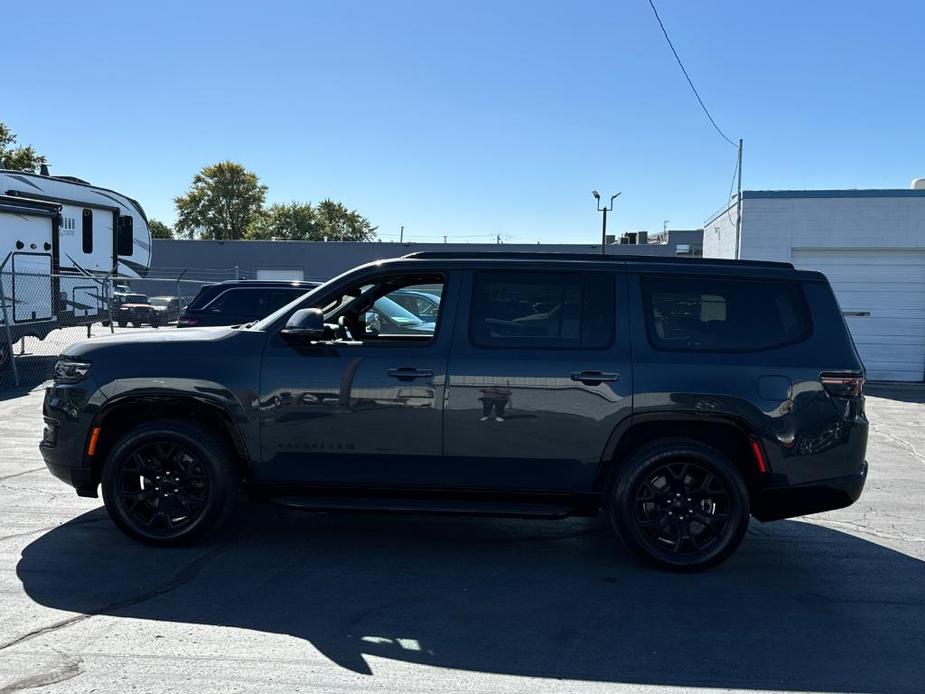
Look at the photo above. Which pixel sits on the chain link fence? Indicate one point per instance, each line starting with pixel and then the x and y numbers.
pixel 41 314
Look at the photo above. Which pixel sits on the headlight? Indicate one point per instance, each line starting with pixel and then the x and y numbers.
pixel 68 371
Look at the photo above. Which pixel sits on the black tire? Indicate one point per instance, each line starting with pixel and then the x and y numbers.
pixel 186 468
pixel 123 324
pixel 680 505
pixel 136 324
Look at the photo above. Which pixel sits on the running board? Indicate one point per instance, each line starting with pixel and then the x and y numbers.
pixel 457 507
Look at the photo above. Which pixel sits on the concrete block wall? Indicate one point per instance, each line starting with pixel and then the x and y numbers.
pixel 775 222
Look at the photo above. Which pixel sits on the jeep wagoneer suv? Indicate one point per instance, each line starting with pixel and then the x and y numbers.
pixel 678 396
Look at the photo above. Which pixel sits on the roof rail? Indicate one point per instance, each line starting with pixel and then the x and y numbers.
pixel 589 257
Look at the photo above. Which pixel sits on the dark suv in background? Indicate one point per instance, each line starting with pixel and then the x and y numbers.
pixel 680 396
pixel 240 301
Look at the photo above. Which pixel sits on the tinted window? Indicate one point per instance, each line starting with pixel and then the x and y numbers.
pixel 542 310
pixel 205 294
pixel 277 298
pixel 126 240
pixel 238 302
pixel 87 231
pixel 712 314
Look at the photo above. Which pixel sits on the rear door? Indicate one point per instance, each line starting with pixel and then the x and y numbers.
pixel 539 378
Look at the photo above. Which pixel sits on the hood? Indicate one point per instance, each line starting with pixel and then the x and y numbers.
pixel 148 339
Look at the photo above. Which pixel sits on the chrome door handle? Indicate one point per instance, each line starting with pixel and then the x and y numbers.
pixel 409 374
pixel 593 378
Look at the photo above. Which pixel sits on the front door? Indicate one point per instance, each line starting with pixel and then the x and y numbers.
pixel 538 380
pixel 364 407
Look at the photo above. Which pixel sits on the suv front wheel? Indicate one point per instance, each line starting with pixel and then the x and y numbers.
pixel 680 504
pixel 169 482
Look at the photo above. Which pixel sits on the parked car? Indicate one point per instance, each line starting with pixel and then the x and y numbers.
pixel 240 301
pixel 680 396
pixel 137 310
pixel 423 304
pixel 167 307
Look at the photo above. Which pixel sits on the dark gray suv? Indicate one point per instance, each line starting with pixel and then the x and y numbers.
pixel 679 396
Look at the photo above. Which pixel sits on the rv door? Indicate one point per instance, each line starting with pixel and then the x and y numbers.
pixel 27 278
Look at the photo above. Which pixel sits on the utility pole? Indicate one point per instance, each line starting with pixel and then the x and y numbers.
pixel 401 234
pixel 739 204
pixel 604 210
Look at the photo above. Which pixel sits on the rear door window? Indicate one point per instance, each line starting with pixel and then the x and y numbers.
pixel 277 298
pixel 238 302
pixel 548 310
pixel 710 314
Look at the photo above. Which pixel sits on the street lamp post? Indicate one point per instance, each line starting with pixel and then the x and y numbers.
pixel 605 209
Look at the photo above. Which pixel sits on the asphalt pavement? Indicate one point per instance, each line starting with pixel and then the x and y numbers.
pixel 291 601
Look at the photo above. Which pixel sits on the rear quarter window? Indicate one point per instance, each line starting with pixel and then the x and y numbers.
pixel 711 314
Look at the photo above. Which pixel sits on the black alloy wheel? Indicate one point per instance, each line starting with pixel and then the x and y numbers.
pixel 680 504
pixel 163 487
pixel 169 482
pixel 682 508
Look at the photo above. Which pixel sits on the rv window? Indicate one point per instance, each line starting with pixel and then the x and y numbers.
pixel 126 244
pixel 88 231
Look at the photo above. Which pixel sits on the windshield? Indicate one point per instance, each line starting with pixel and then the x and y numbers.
pixel 135 299
pixel 395 313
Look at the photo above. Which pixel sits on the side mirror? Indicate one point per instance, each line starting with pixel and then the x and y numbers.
pixel 304 326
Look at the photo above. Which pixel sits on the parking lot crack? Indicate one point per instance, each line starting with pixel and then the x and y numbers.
pixel 903 443
pixel 185 574
pixel 69 669
pixel 21 473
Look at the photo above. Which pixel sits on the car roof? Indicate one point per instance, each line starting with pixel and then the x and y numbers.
pixel 636 263
pixel 591 258
pixel 267 283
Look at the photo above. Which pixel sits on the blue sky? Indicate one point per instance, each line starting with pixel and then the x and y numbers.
pixel 472 119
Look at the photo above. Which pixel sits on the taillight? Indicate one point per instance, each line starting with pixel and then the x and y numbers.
pixel 843 385
pixel 184 322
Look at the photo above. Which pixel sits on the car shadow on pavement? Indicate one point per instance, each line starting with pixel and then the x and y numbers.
pixel 800 607
pixel 904 392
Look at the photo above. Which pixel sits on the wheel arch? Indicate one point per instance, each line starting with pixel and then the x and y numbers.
pixel 730 435
pixel 121 414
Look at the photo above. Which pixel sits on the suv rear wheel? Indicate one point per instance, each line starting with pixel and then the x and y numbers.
pixel 680 504
pixel 168 482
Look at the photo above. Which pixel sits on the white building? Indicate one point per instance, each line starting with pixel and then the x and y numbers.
pixel 870 244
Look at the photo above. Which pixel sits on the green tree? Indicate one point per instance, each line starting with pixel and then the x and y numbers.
pixel 296 221
pixel 289 222
pixel 17 158
pixel 337 223
pixel 221 203
pixel 159 230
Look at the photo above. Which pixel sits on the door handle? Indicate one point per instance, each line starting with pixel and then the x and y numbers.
pixel 593 378
pixel 409 374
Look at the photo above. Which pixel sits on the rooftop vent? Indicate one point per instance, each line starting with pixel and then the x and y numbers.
pixel 918 184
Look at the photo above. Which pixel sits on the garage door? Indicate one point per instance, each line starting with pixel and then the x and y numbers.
pixel 266 273
pixel 882 294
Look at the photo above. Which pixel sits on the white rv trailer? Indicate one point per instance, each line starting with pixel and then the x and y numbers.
pixel 60 237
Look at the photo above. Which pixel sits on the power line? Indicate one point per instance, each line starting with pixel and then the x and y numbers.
pixel 732 185
pixel 693 88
